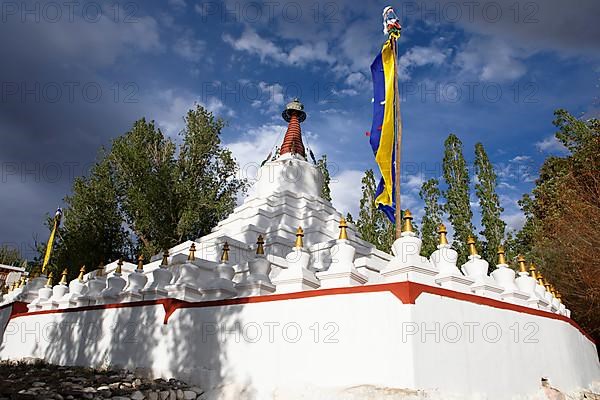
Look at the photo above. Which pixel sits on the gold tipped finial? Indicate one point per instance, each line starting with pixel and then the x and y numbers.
pixel 81 273
pixel 547 284
pixel 501 255
pixel 552 290
pixel 471 243
pixel 140 266
pixel 442 232
pixel 17 283
pixel 521 262
pixel 540 279
pixel 299 241
pixel 165 260
pixel 192 254
pixel 225 254
pixel 119 268
pixel 50 279
pixel 63 279
pixel 559 297
pixel 11 287
pixel 260 248
pixel 533 271
pixel 343 229
pixel 23 280
pixel 407 224
pixel 100 269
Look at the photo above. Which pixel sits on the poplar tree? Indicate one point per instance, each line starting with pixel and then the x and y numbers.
pixel 430 194
pixel 485 188
pixel 372 224
pixel 457 205
pixel 322 166
pixel 368 216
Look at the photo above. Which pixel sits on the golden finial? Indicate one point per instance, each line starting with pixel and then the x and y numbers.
pixel 119 268
pixel 533 271
pixel 192 254
pixel 63 279
pixel 521 262
pixel 260 249
pixel 343 229
pixel 299 235
pixel 100 269
pixel 552 290
pixel 407 224
pixel 443 231
pixel 559 297
pixel 165 260
pixel 501 257
pixel 23 280
pixel 140 266
pixel 471 244
pixel 50 278
pixel 547 284
pixel 540 279
pixel 11 287
pixel 225 254
pixel 81 273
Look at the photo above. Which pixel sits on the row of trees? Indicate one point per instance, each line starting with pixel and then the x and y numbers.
pixel 146 193
pixel 562 214
pixel 376 228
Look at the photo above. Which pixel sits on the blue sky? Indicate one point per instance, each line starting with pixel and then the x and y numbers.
pixel 75 78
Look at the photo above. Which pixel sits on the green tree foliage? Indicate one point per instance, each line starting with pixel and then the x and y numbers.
pixel 147 188
pixel 457 204
pixel 372 224
pixel 146 178
pixel 92 228
pixel 10 255
pixel 489 202
pixel 562 219
pixel 326 190
pixel 430 194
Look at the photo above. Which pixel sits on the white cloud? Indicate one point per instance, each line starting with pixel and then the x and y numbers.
pixel 299 55
pixel 189 48
pixel 550 144
pixel 170 108
pixel 254 146
pixel 490 60
pixel 346 191
pixel 417 57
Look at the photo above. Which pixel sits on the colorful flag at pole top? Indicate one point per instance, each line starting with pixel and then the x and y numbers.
pixel 57 218
pixel 382 136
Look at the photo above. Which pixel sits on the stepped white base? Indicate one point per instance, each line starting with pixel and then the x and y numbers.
pixel 108 299
pixel 128 297
pixel 536 302
pixel 73 301
pixel 415 273
pixel 219 288
pixel 487 289
pixel 333 279
pixel 49 304
pixel 254 288
pixel 454 281
pixel 184 292
pixel 289 281
pixel 154 294
pixel 515 297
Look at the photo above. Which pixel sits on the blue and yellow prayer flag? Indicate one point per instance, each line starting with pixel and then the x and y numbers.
pixel 383 136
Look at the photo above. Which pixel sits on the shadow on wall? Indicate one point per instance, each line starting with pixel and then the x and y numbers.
pixel 190 347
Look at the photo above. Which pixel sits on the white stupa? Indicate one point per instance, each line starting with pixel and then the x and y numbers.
pixel 283 299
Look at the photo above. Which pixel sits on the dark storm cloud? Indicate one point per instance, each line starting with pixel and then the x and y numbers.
pixel 65 91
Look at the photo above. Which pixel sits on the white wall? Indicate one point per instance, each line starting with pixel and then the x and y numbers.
pixel 364 339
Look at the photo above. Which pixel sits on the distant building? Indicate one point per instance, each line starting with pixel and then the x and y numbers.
pixel 10 274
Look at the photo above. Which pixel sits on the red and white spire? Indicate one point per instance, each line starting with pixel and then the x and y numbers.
pixel 294 115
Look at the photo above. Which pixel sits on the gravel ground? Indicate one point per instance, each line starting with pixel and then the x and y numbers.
pixel 38 380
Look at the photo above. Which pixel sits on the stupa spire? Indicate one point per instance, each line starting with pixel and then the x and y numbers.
pixel 294 115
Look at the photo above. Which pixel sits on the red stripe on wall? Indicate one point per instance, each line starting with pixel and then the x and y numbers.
pixel 406 292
